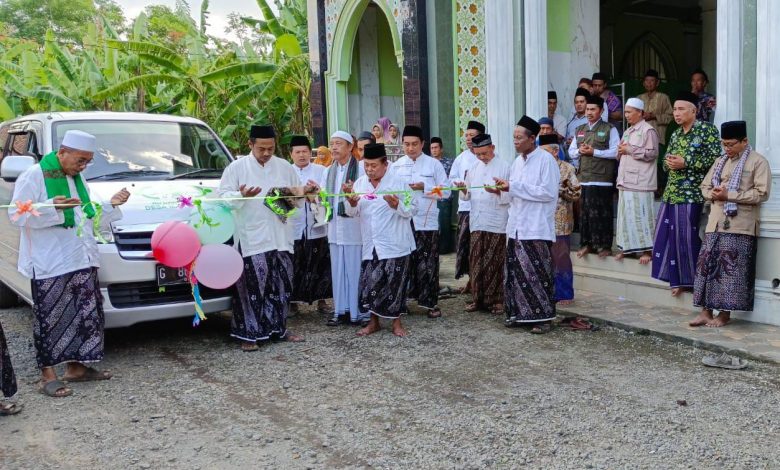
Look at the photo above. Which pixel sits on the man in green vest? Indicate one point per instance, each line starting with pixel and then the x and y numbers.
pixel 595 145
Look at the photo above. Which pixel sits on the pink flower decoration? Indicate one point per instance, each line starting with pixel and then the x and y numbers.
pixel 369 196
pixel 184 201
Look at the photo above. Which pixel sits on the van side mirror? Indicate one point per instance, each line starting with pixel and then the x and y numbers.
pixel 14 165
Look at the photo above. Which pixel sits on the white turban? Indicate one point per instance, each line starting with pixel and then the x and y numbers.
pixel 79 140
pixel 636 103
pixel 342 135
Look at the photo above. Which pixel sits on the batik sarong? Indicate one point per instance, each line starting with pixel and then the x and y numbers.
pixel 463 246
pixel 677 244
pixel 68 318
pixel 446 240
pixel 383 285
pixel 635 221
pixel 424 269
pixel 311 271
pixel 487 254
pixel 7 376
pixel 529 286
pixel 264 289
pixel 564 274
pixel 596 224
pixel 726 272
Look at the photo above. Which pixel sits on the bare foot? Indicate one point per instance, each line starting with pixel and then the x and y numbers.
pixel 702 319
pixel 583 251
pixel 604 253
pixel 291 338
pixel 620 255
pixel 721 320
pixel 372 327
pixel 677 291
pixel 565 302
pixel 398 329
pixel 645 258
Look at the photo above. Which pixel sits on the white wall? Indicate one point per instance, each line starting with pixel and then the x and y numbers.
pixel 564 69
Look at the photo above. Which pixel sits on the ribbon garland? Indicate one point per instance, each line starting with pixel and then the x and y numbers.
pixel 199 315
pixel 28 207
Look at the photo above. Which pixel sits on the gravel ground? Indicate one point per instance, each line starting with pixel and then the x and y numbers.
pixel 459 392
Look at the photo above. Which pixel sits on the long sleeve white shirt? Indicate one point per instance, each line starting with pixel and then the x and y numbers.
pixel 429 171
pixel 258 228
pixel 46 249
pixel 533 187
pixel 458 171
pixel 303 220
pixel 489 212
pixel 342 230
pixel 610 153
pixel 384 229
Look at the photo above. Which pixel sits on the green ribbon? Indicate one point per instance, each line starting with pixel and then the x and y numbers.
pixel 95 221
pixel 204 218
pixel 271 201
pixel 325 202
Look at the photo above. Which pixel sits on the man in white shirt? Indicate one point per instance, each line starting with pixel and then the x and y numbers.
pixel 264 239
pixel 311 259
pixel 344 236
pixel 577 119
pixel 388 241
pixel 559 123
pixel 595 146
pixel 423 174
pixel 529 283
pixel 489 212
pixel 460 167
pixel 62 265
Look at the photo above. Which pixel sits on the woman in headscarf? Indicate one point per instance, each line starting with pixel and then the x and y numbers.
pixel 394 140
pixel 378 134
pixel 385 124
pixel 324 157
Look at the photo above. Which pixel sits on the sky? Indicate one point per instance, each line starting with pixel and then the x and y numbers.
pixel 218 9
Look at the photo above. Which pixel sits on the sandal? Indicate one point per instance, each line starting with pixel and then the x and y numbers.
pixel 496 310
pixel 333 321
pixel 90 375
pixel 580 324
pixel 51 388
pixel 724 361
pixel 472 307
pixel 291 338
pixel 8 409
pixel 541 329
pixel 435 313
pixel 249 347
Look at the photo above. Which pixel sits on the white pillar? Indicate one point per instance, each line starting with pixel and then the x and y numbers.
pixel 535 35
pixel 729 61
pixel 768 104
pixel 500 63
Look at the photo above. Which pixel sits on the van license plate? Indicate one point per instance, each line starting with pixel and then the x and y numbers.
pixel 167 276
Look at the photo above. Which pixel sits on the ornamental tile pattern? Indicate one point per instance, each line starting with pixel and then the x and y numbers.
pixel 470 64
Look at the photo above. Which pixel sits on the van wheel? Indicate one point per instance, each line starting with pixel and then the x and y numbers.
pixel 8 297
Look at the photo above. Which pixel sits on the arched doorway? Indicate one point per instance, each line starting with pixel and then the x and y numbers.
pixel 364 79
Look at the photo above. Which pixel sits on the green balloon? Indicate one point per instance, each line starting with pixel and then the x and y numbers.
pixel 220 226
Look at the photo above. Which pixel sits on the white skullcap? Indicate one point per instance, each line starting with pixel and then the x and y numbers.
pixel 342 135
pixel 636 103
pixel 79 140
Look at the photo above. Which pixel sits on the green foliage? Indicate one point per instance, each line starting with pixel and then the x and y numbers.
pixel 92 58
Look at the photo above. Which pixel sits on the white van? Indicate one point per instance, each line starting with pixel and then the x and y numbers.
pixel 157 158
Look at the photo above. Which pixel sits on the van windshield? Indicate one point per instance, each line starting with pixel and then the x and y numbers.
pixel 149 149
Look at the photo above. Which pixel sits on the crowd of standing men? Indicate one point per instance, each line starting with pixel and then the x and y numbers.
pixel 378 246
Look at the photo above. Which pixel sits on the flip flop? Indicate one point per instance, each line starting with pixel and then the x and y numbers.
pixel 246 347
pixel 51 387
pixel 472 307
pixel 724 361
pixel 435 313
pixel 90 375
pixel 291 338
pixel 541 329
pixel 8 409
pixel 580 324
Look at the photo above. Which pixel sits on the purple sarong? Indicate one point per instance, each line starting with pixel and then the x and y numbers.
pixel 677 244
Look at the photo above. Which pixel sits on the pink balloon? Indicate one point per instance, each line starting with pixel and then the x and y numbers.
pixel 175 244
pixel 218 266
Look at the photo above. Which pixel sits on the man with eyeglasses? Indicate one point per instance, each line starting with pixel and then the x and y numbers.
pixel 736 185
pixel 61 259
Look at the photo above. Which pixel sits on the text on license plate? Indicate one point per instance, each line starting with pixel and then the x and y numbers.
pixel 167 276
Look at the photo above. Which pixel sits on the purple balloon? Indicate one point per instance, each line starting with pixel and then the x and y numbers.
pixel 218 266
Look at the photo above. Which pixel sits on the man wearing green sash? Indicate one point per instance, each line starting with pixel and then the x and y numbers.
pixel 58 252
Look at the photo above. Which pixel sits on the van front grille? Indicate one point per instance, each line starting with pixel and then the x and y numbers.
pixel 144 294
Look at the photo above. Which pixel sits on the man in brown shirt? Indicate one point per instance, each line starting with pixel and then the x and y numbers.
pixel 658 108
pixel 736 185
